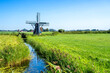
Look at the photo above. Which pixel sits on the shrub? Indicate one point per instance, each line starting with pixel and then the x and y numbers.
pixel 61 30
pixel 23 35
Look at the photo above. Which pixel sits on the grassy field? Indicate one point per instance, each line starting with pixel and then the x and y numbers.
pixel 8 33
pixel 84 53
pixel 16 33
pixel 12 50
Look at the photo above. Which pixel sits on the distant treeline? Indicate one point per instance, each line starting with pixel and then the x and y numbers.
pixel 83 32
pixel 86 32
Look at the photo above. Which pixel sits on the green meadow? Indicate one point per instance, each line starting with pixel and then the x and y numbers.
pixel 27 33
pixel 76 53
pixel 79 53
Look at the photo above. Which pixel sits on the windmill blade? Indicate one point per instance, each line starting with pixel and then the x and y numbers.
pixel 38 17
pixel 32 26
pixel 43 23
pixel 31 22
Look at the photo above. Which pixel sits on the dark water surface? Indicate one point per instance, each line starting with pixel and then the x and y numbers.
pixel 36 64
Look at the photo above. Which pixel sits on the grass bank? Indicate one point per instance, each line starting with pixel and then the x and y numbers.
pixel 13 51
pixel 86 53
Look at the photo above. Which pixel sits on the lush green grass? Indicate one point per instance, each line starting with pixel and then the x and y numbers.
pixel 75 52
pixel 47 32
pixel 12 50
pixel 43 33
pixel 16 33
pixel 8 33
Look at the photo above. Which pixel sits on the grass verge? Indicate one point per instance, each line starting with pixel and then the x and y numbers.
pixel 13 51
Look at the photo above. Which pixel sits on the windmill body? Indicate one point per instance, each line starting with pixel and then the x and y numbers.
pixel 36 24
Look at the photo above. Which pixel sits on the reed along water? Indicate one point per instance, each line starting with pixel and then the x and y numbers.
pixel 35 65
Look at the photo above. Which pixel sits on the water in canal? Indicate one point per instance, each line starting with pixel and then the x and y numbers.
pixel 36 64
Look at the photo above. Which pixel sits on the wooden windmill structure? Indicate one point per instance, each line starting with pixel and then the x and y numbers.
pixel 37 24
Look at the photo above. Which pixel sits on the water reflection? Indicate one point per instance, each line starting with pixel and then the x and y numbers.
pixel 36 65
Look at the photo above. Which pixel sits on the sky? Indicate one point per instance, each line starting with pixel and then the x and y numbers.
pixel 61 14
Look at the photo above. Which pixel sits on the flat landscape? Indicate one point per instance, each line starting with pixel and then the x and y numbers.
pixel 88 53
pixel 54 36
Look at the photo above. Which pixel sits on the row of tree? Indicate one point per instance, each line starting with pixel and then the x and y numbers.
pixel 86 31
pixel 83 31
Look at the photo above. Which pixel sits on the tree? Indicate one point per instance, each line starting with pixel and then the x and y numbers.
pixel 61 30
pixel 30 30
pixel 108 31
pixel 46 29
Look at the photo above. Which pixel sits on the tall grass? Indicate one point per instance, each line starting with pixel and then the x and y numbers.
pixel 88 53
pixel 12 50
pixel 17 33
pixel 8 33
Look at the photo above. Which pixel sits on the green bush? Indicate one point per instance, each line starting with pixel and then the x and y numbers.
pixel 23 35
pixel 61 30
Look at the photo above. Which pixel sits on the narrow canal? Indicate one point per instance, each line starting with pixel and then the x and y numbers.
pixel 36 64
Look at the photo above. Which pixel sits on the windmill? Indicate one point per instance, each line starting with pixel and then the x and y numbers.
pixel 37 24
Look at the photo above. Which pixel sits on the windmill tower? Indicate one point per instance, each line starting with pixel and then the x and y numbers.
pixel 36 24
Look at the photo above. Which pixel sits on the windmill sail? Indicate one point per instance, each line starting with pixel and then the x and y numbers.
pixel 36 24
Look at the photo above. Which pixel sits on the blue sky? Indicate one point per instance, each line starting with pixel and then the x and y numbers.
pixel 65 14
